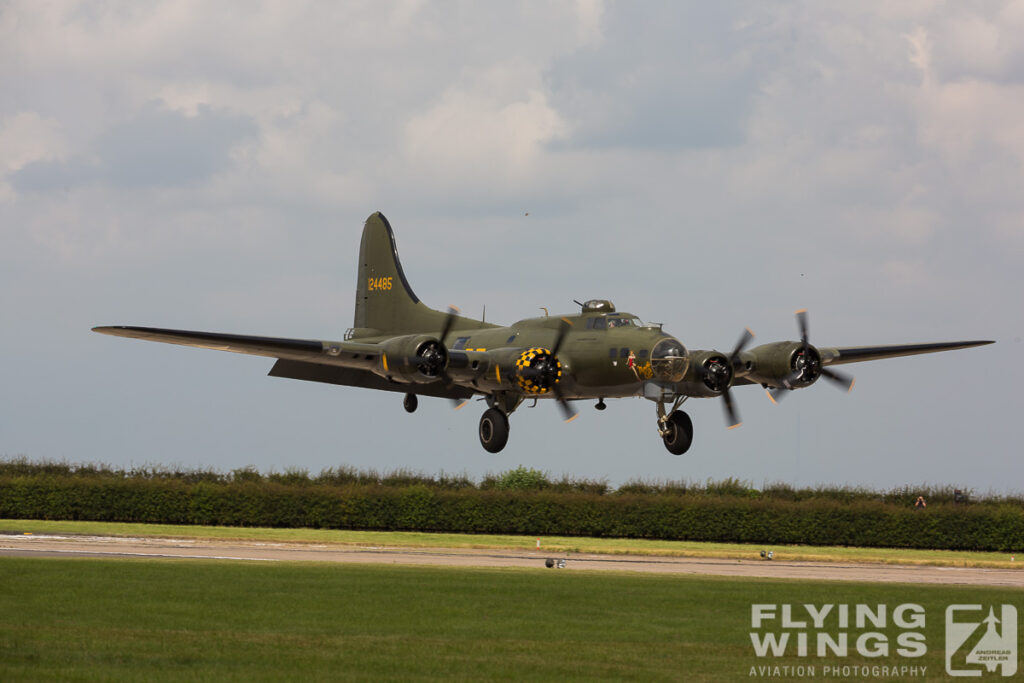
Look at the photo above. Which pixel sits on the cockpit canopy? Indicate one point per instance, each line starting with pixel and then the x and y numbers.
pixel 669 360
pixel 613 321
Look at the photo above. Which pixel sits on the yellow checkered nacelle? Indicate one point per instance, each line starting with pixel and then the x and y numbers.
pixel 537 370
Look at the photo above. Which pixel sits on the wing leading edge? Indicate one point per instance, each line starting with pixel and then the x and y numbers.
pixel 857 354
pixel 344 354
pixel 236 343
pixel 342 363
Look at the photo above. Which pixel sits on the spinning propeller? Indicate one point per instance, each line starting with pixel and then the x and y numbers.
pixel 449 321
pixel 545 372
pixel 807 366
pixel 718 376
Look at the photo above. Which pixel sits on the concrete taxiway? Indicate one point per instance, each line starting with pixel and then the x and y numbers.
pixel 41 545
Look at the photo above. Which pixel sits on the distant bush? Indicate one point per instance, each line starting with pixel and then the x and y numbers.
pixel 292 476
pixel 521 479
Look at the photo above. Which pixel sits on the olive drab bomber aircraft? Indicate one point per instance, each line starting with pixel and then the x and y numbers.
pixel 399 344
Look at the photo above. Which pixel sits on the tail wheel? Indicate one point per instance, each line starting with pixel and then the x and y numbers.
pixel 493 430
pixel 679 435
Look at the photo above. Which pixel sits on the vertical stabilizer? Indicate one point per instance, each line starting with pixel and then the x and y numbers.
pixel 385 303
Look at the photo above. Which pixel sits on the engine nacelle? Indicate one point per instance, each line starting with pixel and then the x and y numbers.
pixel 415 358
pixel 533 371
pixel 708 375
pixel 789 364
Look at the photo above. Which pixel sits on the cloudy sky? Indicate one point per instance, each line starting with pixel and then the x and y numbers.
pixel 209 166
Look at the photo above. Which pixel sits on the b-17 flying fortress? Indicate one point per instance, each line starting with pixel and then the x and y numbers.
pixel 399 344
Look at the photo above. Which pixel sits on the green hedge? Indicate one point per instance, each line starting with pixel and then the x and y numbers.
pixel 470 510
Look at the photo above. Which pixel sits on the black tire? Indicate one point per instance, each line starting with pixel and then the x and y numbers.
pixel 680 433
pixel 410 403
pixel 493 430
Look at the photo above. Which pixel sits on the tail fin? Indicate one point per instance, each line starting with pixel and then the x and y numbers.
pixel 385 303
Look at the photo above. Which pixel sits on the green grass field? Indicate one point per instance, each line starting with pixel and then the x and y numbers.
pixel 615 546
pixel 98 619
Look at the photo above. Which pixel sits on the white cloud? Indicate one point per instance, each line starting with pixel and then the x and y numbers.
pixel 494 132
pixel 27 137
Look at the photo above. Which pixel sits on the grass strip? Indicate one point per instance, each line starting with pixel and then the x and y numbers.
pixel 168 620
pixel 610 546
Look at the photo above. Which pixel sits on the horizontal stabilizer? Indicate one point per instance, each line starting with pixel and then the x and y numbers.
pixel 351 377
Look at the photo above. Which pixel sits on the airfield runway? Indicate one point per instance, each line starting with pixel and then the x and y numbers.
pixel 41 545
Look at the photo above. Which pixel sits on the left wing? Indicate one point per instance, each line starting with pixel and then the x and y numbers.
pixel 777 364
pixel 856 354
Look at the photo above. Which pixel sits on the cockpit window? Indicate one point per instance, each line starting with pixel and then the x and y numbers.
pixel 611 321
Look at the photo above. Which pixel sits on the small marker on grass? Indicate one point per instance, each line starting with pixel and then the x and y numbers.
pixel 538 542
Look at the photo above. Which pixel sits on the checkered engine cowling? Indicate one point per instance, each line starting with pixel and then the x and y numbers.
pixel 537 371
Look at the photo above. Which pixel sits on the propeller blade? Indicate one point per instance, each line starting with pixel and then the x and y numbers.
pixel 449 321
pixel 776 394
pixel 459 403
pixel 563 331
pixel 741 344
pixel 801 321
pixel 731 417
pixel 453 312
pixel 838 378
pixel 568 411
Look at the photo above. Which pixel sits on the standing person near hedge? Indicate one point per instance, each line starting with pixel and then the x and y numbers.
pixel 919 504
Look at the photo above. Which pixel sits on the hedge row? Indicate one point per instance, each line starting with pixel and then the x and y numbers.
pixel 421 508
pixel 520 478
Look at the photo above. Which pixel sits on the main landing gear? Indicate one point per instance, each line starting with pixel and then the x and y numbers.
pixel 675 428
pixel 493 429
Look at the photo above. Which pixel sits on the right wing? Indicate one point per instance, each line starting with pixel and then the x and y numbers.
pixel 273 347
pixel 334 353
pixel 334 362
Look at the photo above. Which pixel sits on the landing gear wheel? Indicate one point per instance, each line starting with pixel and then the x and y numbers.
pixel 679 433
pixel 493 430
pixel 410 403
